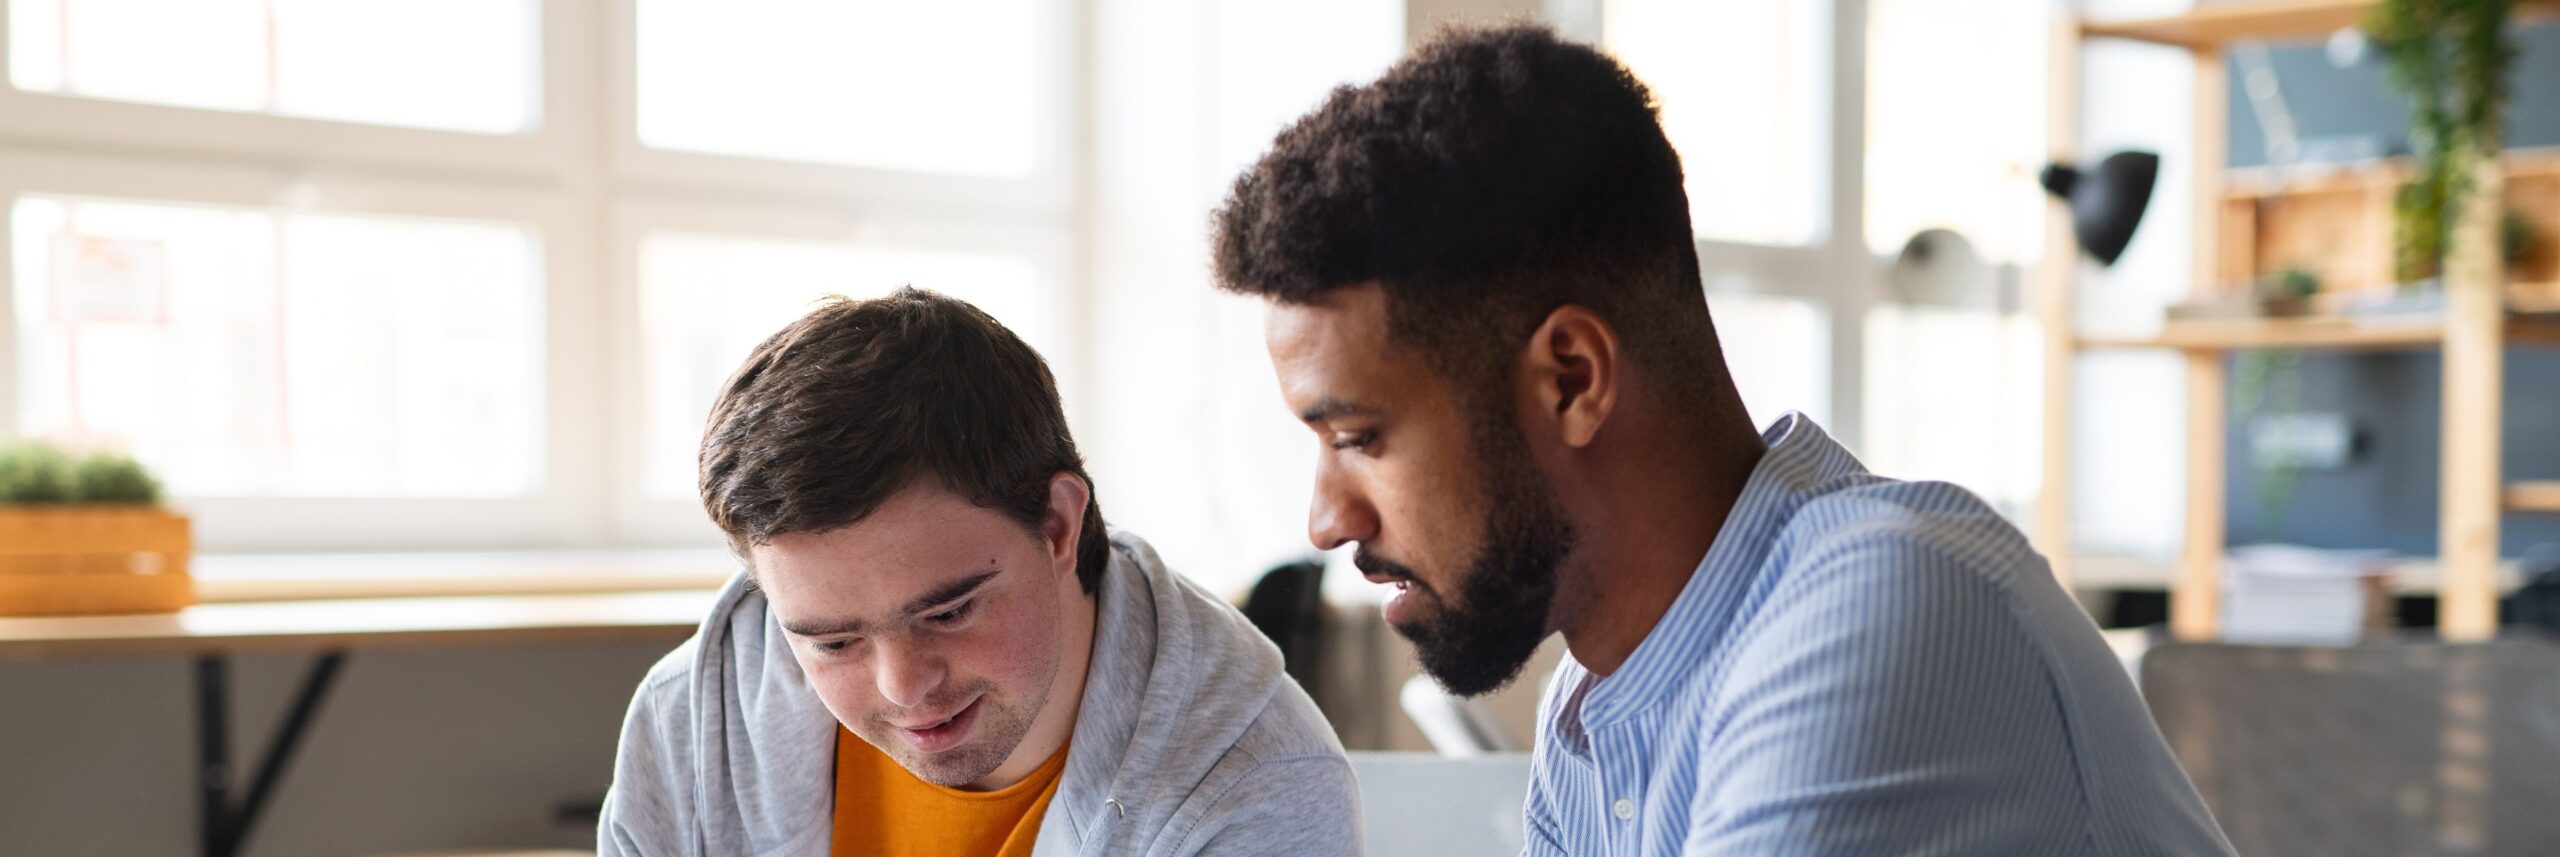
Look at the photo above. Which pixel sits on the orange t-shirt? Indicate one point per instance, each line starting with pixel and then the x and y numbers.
pixel 882 810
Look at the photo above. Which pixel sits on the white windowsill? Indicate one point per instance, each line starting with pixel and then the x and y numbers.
pixel 293 577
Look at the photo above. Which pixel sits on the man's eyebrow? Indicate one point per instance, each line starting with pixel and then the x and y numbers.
pixel 1329 408
pixel 949 592
pixel 849 626
pixel 941 594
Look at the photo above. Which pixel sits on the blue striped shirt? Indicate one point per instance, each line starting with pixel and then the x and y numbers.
pixel 1860 666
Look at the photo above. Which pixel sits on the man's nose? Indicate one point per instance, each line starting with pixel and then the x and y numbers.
pixel 907 675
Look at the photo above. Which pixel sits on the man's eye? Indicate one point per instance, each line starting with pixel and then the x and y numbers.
pixel 1353 441
pixel 953 615
pixel 832 647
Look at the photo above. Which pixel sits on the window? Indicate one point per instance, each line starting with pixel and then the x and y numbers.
pixel 942 87
pixel 1955 137
pixel 1743 97
pixel 1953 141
pixel 251 352
pixel 1955 396
pixel 1746 94
pixel 1778 350
pixel 466 273
pixel 706 300
pixel 395 63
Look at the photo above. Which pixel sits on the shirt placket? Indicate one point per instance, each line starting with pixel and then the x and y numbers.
pixel 1617 755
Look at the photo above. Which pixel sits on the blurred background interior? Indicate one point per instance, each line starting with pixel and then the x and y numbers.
pixel 415 309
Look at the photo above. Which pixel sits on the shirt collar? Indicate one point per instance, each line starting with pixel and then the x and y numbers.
pixel 1801 462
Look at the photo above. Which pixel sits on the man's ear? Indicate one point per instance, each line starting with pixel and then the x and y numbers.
pixel 1063 528
pixel 1572 372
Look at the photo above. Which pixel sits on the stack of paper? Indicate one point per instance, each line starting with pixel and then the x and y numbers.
pixel 2298 595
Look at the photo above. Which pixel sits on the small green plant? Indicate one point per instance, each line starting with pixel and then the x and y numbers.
pixel 35 472
pixel 114 477
pixel 2451 58
pixel 2268 384
pixel 2296 282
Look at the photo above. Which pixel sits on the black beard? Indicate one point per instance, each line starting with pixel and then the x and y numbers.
pixel 1477 642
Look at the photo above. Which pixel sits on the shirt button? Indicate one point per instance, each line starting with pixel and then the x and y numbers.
pixel 1626 809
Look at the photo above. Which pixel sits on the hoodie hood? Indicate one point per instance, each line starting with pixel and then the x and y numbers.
pixel 1151 726
pixel 728 750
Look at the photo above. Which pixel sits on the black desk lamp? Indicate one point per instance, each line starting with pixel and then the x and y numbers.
pixel 2105 205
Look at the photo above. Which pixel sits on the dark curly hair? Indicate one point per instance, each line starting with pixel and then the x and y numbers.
pixel 1491 177
pixel 837 412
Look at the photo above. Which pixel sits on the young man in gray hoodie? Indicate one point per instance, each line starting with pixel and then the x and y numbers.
pixel 936 648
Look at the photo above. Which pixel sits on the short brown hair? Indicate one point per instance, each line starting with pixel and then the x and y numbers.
pixel 860 398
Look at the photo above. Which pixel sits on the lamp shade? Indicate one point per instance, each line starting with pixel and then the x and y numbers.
pixel 2105 204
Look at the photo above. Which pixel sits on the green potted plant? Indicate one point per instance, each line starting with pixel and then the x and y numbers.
pixel 87 535
pixel 2451 58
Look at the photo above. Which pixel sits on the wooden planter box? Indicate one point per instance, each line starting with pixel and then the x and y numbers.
pixel 67 560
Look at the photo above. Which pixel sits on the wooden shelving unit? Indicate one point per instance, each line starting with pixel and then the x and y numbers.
pixel 2337 223
pixel 2235 237
pixel 2209 28
pixel 2534 497
pixel 2325 333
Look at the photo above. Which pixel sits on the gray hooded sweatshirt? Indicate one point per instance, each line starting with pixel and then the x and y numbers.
pixel 1190 740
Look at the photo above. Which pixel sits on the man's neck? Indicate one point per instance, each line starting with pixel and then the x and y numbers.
pixel 1637 554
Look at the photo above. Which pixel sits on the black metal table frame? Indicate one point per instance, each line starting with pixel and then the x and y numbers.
pixel 227 823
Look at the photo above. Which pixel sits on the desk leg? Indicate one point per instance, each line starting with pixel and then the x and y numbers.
pixel 213 748
pixel 226 826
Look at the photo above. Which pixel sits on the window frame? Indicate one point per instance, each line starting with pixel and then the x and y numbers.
pixel 288 523
pixel 642 520
pixel 550 148
pixel 1840 274
pixel 580 180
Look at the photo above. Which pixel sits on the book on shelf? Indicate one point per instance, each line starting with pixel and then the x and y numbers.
pixel 2294 595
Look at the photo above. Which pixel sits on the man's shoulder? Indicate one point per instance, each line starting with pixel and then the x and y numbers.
pixel 1235 672
pixel 1880 526
pixel 1290 727
pixel 670 679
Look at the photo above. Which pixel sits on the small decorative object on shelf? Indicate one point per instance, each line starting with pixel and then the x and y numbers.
pixel 2283 294
pixel 87 536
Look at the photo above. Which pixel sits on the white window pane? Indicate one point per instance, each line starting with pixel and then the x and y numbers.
pixel 245 352
pixel 707 300
pixel 945 87
pixel 457 64
pixel 461 65
pixel 1742 95
pixel 1779 350
pixel 1955 395
pixel 1274 62
pixel 1955 137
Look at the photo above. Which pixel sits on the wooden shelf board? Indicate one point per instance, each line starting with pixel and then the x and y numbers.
pixel 2261 183
pixel 2534 497
pixel 2323 332
pixel 2412 575
pixel 2326 333
pixel 2210 27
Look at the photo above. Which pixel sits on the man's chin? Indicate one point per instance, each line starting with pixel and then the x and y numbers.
pixel 1466 666
pixel 950 769
pixel 953 767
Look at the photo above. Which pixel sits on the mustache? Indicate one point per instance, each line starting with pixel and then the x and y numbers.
pixel 1373 564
